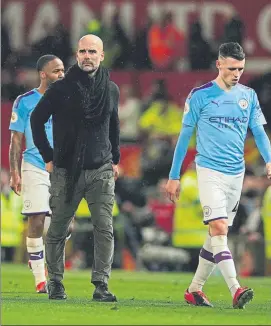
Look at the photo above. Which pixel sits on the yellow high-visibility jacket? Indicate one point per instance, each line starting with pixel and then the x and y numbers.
pixel 83 210
pixel 11 220
pixel 188 228
pixel 167 123
pixel 266 216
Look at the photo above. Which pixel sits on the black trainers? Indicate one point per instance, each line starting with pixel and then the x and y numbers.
pixel 56 290
pixel 102 294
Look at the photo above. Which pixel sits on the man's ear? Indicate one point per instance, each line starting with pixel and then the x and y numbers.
pixel 42 75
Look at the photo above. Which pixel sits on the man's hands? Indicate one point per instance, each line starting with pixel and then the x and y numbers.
pixel 173 190
pixel 115 171
pixel 268 170
pixel 49 167
pixel 15 182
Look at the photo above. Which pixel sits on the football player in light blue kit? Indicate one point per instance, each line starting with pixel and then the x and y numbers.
pixel 222 111
pixel 34 179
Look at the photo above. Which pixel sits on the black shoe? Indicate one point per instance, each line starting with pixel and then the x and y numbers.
pixel 102 294
pixel 56 290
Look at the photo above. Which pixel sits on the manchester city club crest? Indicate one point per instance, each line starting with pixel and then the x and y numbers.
pixel 186 108
pixel 27 204
pixel 243 103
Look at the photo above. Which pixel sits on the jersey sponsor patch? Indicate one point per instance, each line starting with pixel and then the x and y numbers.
pixel 14 117
pixel 186 108
pixel 243 103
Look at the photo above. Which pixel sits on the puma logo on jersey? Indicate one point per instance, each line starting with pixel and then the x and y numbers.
pixel 215 103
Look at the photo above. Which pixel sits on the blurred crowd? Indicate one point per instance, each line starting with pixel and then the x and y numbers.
pixel 150 232
pixel 159 45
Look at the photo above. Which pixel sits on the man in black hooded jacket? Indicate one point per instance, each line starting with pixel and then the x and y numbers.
pixel 84 161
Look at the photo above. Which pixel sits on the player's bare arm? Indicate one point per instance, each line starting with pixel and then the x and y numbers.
pixel 14 161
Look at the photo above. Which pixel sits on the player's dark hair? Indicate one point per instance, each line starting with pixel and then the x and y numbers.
pixel 42 62
pixel 232 50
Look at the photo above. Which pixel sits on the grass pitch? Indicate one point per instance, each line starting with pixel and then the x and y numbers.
pixel 143 299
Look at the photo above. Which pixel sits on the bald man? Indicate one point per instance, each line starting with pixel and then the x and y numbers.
pixel 84 161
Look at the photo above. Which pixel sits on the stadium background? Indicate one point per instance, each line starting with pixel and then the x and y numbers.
pixel 150 232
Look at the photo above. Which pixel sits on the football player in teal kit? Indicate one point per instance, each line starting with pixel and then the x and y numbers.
pixel 31 178
pixel 222 111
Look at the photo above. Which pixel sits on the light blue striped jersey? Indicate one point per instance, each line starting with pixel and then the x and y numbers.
pixel 20 121
pixel 222 119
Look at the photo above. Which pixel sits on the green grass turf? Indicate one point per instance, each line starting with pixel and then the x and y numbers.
pixel 143 298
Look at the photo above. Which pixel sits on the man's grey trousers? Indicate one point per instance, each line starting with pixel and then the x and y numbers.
pixel 97 187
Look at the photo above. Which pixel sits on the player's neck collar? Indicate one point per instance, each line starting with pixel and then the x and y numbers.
pixel 37 91
pixel 215 82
